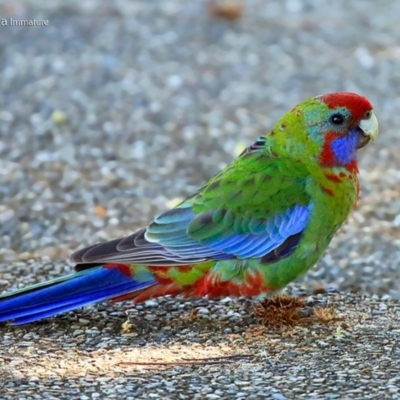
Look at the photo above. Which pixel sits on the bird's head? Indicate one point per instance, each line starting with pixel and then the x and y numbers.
pixel 328 129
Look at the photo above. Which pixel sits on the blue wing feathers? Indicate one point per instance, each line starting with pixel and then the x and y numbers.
pixel 248 237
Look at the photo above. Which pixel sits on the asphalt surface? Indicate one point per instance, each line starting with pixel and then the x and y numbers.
pixel 113 112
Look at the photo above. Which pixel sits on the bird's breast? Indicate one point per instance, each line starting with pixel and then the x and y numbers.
pixel 333 197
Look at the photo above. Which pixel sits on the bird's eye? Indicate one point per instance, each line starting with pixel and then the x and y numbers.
pixel 367 115
pixel 337 119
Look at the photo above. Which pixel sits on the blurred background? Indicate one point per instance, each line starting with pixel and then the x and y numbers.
pixel 117 109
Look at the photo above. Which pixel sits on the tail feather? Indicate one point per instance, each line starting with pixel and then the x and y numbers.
pixel 63 294
pixel 49 310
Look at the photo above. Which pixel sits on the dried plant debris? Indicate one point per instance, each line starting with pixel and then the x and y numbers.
pixel 126 327
pixel 226 10
pixel 326 315
pixel 283 310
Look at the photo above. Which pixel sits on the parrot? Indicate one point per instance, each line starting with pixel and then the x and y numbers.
pixel 257 225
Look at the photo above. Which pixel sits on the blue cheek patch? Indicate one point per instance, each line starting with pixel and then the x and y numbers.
pixel 345 147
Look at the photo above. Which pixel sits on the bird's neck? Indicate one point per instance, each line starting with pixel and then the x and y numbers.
pixel 338 187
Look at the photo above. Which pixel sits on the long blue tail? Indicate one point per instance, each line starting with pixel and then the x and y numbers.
pixel 66 293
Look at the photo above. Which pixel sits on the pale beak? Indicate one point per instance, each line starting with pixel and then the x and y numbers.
pixel 369 129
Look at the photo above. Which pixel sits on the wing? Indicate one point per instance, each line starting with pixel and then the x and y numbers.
pixel 257 207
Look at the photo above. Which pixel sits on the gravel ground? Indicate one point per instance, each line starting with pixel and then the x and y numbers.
pixel 113 112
